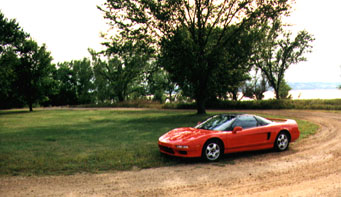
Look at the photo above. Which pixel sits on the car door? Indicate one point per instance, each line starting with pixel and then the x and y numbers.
pixel 251 135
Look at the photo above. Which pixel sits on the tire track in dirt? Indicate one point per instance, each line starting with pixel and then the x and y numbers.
pixel 311 167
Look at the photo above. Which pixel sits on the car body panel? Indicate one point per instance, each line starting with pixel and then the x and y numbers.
pixel 189 142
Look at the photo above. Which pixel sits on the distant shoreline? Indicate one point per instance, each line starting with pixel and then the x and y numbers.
pixel 309 94
pixel 314 85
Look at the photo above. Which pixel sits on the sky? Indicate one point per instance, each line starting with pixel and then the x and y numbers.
pixel 67 27
pixel 70 27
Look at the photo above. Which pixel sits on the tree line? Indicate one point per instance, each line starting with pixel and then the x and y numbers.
pixel 202 50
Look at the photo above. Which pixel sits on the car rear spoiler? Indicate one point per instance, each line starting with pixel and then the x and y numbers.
pixel 277 119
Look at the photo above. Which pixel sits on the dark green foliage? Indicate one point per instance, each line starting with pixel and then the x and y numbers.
pixel 9 96
pixel 66 86
pixel 74 83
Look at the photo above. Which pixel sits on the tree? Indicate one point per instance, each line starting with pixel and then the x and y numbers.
pixel 160 83
pixel 25 67
pixel 84 78
pixel 228 68
pixel 75 83
pixel 151 21
pixel 103 87
pixel 277 51
pixel 34 72
pixel 11 37
pixel 125 65
pixel 66 85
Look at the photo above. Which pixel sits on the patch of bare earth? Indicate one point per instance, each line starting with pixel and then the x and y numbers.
pixel 311 167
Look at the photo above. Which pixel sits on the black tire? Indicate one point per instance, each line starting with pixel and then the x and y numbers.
pixel 212 150
pixel 282 141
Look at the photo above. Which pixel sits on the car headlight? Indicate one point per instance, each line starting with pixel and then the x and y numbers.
pixel 181 146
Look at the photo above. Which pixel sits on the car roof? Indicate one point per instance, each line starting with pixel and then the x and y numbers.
pixel 234 115
pixel 231 116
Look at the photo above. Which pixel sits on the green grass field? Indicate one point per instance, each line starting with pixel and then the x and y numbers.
pixel 71 141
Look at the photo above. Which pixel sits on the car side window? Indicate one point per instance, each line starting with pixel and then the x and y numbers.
pixel 245 122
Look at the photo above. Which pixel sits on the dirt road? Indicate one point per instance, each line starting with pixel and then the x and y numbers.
pixel 311 167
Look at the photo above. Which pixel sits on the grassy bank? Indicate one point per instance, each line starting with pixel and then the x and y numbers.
pixel 318 104
pixel 315 104
pixel 71 141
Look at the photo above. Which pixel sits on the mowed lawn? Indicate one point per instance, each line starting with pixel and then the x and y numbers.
pixel 71 141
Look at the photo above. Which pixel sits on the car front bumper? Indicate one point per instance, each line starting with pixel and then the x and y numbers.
pixel 171 149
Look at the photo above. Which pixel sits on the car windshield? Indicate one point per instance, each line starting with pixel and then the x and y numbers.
pixel 218 123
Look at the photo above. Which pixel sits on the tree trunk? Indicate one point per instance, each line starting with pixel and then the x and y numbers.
pixel 201 106
pixel 201 97
pixel 121 96
pixel 235 96
pixel 277 93
pixel 30 106
pixel 170 97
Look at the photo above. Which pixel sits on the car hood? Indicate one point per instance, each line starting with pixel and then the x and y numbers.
pixel 184 134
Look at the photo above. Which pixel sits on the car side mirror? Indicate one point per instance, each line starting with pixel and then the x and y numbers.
pixel 236 129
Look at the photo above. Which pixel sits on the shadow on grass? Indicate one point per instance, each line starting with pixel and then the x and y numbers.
pixel 8 112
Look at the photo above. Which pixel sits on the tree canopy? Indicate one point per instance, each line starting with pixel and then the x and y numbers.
pixel 196 22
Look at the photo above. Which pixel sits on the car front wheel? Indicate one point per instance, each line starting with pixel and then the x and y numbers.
pixel 212 150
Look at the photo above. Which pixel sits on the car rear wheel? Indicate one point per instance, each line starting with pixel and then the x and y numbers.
pixel 212 150
pixel 282 141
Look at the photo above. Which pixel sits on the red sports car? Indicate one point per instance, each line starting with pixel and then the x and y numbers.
pixel 227 133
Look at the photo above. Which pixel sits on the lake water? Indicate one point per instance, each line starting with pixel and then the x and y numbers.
pixel 309 94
